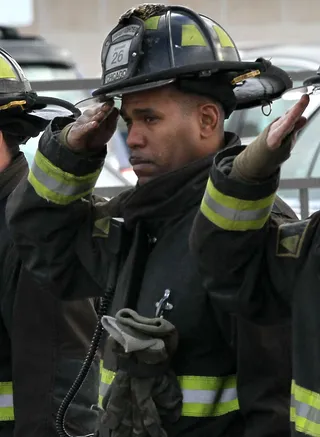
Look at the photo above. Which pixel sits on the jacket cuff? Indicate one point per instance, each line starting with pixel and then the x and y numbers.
pixel 59 175
pixel 237 205
pixel 58 154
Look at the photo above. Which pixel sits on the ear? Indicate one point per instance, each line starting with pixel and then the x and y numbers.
pixel 210 117
pixel 3 144
pixel 5 157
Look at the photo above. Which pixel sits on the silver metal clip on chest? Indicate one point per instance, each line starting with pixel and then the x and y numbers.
pixel 163 304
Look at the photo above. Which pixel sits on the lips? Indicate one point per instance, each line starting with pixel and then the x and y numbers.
pixel 134 161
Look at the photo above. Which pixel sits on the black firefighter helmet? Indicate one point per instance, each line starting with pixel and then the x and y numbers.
pixel 22 112
pixel 154 45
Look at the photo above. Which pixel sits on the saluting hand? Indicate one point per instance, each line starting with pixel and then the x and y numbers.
pixel 94 128
pixel 291 122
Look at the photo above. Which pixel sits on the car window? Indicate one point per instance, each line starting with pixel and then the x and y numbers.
pixel 254 121
pixel 302 155
pixel 316 138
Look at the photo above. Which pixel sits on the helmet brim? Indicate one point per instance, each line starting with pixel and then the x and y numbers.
pixel 187 71
pixel 102 98
pixel 49 113
pixel 141 87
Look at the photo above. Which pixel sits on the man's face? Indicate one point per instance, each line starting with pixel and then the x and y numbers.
pixel 162 135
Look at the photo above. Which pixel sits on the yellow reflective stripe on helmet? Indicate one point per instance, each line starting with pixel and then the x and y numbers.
pixel 203 396
pixel 6 401
pixel 6 71
pixel 56 185
pixel 224 38
pixel 234 214
pixel 192 36
pixel 152 23
pixel 305 410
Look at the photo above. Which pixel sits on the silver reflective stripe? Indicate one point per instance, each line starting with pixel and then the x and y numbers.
pixel 6 401
pixel 199 396
pixel 103 388
pixel 306 411
pixel 233 214
pixel 209 396
pixel 58 186
pixel 228 394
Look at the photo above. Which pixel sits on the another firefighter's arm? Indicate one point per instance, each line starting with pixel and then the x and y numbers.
pixel 235 233
pixel 51 216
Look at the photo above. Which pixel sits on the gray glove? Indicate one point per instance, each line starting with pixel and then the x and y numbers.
pixel 144 392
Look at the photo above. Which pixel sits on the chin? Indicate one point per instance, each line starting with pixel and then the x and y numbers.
pixel 142 180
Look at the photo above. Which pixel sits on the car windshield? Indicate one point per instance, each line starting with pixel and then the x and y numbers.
pixel 303 161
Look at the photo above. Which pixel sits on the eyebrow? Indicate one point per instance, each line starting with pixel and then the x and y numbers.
pixel 137 112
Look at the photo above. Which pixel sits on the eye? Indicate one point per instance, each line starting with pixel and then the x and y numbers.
pixel 150 119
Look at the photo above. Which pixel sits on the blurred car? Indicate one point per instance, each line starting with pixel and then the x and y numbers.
pixel 43 61
pixel 304 162
pixel 301 62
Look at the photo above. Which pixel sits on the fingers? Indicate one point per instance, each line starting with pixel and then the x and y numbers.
pixel 91 119
pixel 287 122
pixel 96 113
pixel 300 124
pixel 292 121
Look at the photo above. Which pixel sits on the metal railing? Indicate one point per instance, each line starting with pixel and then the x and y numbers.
pixel 66 84
pixel 303 185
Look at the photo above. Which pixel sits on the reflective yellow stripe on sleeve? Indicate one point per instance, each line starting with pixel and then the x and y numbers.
pixel 53 184
pixel 305 410
pixel 6 402
pixel 234 214
pixel 203 396
pixel 208 396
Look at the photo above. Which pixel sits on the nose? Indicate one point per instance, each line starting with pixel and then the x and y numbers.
pixel 136 137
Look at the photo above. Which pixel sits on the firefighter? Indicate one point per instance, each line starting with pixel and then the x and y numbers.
pixel 177 74
pixel 268 268
pixel 43 340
